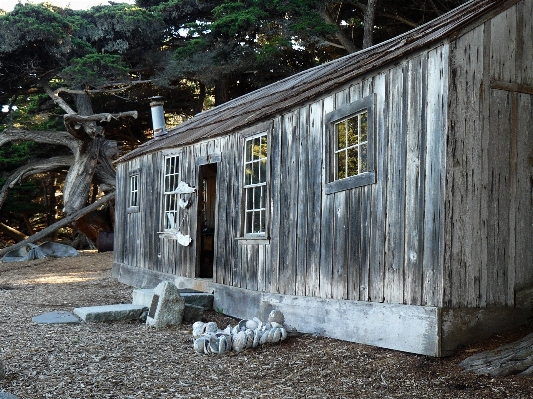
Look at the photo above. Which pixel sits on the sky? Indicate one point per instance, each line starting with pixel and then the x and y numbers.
pixel 8 5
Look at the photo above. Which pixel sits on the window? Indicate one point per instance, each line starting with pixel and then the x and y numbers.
pixel 351 143
pixel 350 133
pixel 170 197
pixel 255 184
pixel 133 200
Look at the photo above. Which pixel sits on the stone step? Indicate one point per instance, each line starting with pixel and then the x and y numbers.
pixel 110 312
pixel 143 296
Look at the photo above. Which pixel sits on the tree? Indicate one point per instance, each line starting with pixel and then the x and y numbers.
pixel 75 55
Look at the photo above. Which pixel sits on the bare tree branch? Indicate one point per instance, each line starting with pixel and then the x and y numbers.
pixel 368 34
pixel 32 168
pixel 102 89
pixel 12 233
pixel 71 118
pixel 63 222
pixel 401 19
pixel 58 100
pixel 346 42
pixel 45 137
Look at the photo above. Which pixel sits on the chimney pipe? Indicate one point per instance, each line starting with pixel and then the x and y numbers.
pixel 158 116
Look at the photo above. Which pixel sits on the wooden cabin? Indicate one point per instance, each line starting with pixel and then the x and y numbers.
pixel 383 198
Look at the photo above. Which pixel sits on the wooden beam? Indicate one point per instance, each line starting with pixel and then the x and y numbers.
pixel 63 222
pixel 513 87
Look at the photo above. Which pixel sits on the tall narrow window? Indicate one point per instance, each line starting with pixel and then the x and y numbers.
pixel 255 184
pixel 134 190
pixel 171 198
pixel 351 152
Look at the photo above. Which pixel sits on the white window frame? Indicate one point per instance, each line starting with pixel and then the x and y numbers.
pixel 133 191
pixel 332 121
pixel 171 178
pixel 251 187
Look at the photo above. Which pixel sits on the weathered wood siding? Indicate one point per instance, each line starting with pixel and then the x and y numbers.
pixel 381 242
pixel 489 218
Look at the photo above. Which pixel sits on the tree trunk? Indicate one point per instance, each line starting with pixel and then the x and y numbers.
pixel 12 233
pixel 368 33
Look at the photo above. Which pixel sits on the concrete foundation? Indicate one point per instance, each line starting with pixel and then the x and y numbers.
pixel 110 312
pixel 425 330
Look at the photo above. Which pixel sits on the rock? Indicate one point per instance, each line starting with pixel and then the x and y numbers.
pixel 6 395
pixel 57 317
pixel 167 306
pixel 276 316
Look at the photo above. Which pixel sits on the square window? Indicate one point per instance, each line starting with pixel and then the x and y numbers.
pixel 349 130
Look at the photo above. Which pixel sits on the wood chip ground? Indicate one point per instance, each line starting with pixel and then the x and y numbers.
pixel 129 360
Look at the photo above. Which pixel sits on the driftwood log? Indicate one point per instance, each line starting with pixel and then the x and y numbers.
pixel 514 358
pixel 63 222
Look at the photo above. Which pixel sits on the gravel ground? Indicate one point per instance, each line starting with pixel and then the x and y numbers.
pixel 129 360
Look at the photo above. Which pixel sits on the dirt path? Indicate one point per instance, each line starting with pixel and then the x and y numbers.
pixel 129 360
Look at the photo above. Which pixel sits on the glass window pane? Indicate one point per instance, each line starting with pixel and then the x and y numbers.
pixel 341 135
pixel 248 150
pixel 255 176
pixel 257 222
pixel 363 156
pixel 341 165
pixel 262 170
pixel 364 127
pixel 248 222
pixel 249 199
pixel 353 131
pixel 262 214
pixel 352 162
pixel 264 146
pixel 258 193
pixel 248 173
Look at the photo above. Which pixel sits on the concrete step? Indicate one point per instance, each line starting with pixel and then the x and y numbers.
pixel 143 296
pixel 110 312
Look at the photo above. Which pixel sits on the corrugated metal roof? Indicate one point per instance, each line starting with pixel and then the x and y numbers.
pixel 289 92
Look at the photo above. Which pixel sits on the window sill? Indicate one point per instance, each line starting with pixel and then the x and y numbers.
pixel 351 182
pixel 251 240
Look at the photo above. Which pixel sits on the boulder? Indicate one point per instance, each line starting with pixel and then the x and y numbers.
pixel 167 306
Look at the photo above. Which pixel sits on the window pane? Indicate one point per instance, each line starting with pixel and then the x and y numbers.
pixel 258 193
pixel 255 176
pixel 352 162
pixel 264 146
pixel 248 150
pixel 257 148
pixel 249 199
pixel 249 220
pixel 364 127
pixel 341 135
pixel 341 165
pixel 353 131
pixel 363 156
pixel 262 170
pixel 248 173
pixel 262 214
pixel 257 222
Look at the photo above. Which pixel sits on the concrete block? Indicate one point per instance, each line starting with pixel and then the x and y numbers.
pixel 143 296
pixel 192 313
pixel 110 312
pixel 56 317
pixel 167 306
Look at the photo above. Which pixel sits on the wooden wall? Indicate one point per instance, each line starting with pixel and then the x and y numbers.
pixel 382 242
pixel 489 181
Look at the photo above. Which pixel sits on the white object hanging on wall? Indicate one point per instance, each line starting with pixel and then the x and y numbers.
pixel 183 188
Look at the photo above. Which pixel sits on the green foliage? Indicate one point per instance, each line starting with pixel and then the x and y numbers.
pixel 95 70
pixel 14 155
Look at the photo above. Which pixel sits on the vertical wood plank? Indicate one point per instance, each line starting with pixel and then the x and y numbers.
pixel 327 226
pixel 395 238
pixel 314 207
pixel 302 202
pixel 414 189
pixel 504 46
pixel 437 117
pixel 275 205
pixel 376 275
